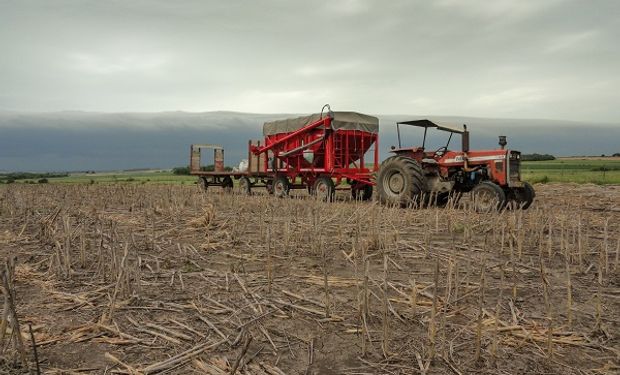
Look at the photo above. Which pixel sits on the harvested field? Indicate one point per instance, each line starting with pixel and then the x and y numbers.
pixel 168 279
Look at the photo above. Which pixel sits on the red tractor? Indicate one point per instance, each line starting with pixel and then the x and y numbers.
pixel 415 175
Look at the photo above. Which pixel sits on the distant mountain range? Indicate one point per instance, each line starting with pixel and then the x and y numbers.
pixel 72 141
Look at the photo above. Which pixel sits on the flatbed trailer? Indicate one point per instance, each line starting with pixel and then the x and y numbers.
pixel 318 153
pixel 219 176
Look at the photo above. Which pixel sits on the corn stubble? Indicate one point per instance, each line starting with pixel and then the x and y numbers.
pixel 173 279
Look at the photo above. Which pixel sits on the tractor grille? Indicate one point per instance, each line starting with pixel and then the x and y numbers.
pixel 514 166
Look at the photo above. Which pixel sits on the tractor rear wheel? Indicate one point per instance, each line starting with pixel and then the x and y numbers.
pixel 281 186
pixel 487 196
pixel 324 189
pixel 400 181
pixel 245 186
pixel 523 196
pixel 361 192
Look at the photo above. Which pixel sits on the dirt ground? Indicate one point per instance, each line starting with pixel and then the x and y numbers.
pixel 170 279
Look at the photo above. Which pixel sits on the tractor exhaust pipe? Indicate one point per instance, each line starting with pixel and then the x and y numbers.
pixel 465 149
pixel 465 139
pixel 502 141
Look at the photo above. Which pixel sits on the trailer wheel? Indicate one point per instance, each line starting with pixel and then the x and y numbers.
pixel 245 186
pixel 227 184
pixel 487 196
pixel 281 186
pixel 523 196
pixel 324 189
pixel 361 192
pixel 400 181
pixel 204 184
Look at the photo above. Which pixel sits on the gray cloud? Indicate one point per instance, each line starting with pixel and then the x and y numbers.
pixel 94 141
pixel 524 59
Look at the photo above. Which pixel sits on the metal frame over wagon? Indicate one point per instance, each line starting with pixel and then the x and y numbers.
pixel 318 153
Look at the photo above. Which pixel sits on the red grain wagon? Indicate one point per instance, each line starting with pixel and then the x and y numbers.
pixel 317 152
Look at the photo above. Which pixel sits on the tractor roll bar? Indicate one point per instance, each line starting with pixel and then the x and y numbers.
pixel 429 124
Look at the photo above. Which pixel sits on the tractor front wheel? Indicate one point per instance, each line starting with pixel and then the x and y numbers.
pixel 324 189
pixel 487 196
pixel 281 186
pixel 400 181
pixel 523 196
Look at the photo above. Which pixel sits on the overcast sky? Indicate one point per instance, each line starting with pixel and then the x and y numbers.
pixel 557 59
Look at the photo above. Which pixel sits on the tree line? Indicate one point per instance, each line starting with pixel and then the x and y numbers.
pixel 41 177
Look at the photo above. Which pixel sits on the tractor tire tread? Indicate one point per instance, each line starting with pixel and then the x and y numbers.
pixel 412 172
pixel 501 195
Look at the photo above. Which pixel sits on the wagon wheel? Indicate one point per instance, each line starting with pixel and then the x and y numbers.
pixel 400 181
pixel 488 196
pixel 203 183
pixel 281 187
pixel 227 184
pixel 245 186
pixel 324 189
pixel 361 191
pixel 523 196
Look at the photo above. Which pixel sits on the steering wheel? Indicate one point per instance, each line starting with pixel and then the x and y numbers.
pixel 440 151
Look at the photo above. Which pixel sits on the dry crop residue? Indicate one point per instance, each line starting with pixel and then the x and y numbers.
pixel 146 279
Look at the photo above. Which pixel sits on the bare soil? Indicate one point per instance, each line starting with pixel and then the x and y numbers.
pixel 146 279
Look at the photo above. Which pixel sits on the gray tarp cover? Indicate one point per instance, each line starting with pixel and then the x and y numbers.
pixel 341 120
